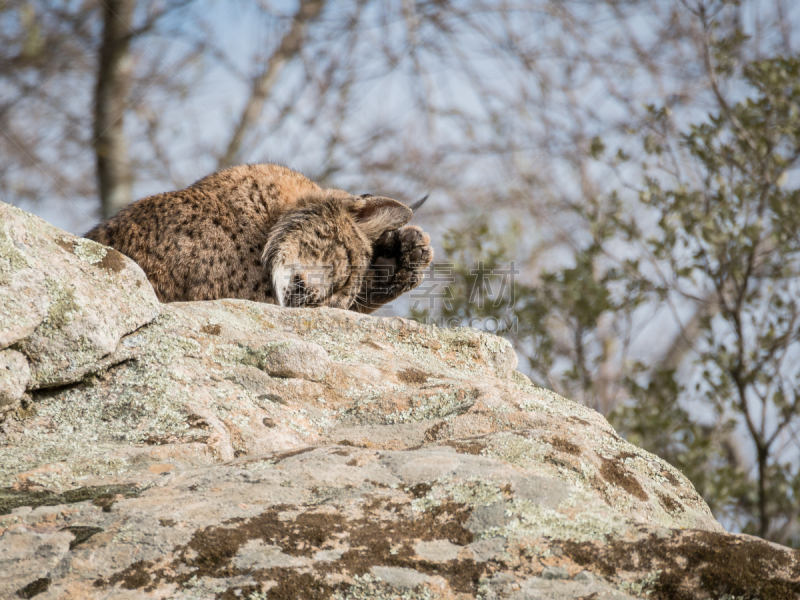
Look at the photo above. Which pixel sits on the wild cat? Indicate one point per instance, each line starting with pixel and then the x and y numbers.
pixel 267 233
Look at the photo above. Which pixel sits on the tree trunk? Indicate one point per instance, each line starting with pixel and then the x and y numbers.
pixel 111 98
pixel 290 46
pixel 763 517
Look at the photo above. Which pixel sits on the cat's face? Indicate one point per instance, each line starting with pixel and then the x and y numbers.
pixel 318 255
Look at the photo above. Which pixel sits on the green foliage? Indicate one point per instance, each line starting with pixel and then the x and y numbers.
pixel 723 242
pixel 732 243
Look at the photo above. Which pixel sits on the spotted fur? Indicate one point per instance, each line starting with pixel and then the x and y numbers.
pixel 266 233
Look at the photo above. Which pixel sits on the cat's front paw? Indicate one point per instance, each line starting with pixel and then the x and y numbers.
pixel 412 255
pixel 399 260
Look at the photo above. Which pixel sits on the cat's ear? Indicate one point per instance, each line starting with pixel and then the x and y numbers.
pixel 376 215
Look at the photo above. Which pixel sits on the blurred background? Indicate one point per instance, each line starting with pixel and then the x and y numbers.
pixel 613 183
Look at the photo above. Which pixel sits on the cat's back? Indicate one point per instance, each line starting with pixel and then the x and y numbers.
pixel 256 186
pixel 221 219
pixel 254 194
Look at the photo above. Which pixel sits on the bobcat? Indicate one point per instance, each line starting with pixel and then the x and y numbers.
pixel 266 233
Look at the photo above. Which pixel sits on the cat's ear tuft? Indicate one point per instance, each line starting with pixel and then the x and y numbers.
pixel 376 215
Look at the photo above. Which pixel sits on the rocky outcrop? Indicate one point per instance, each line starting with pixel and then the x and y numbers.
pixel 65 303
pixel 231 449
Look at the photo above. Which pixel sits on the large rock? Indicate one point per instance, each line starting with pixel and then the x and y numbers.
pixel 65 302
pixel 242 450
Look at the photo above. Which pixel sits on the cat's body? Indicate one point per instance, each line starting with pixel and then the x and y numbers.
pixel 266 233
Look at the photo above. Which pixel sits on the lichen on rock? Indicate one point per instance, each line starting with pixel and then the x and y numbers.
pixel 230 449
pixel 62 308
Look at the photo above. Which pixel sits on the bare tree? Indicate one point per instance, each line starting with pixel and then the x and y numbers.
pixel 115 64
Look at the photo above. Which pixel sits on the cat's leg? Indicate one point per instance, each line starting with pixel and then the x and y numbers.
pixel 399 260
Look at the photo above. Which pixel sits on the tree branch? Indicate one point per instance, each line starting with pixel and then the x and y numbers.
pixel 290 46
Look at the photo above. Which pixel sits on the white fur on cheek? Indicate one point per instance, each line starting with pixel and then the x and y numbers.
pixel 281 278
